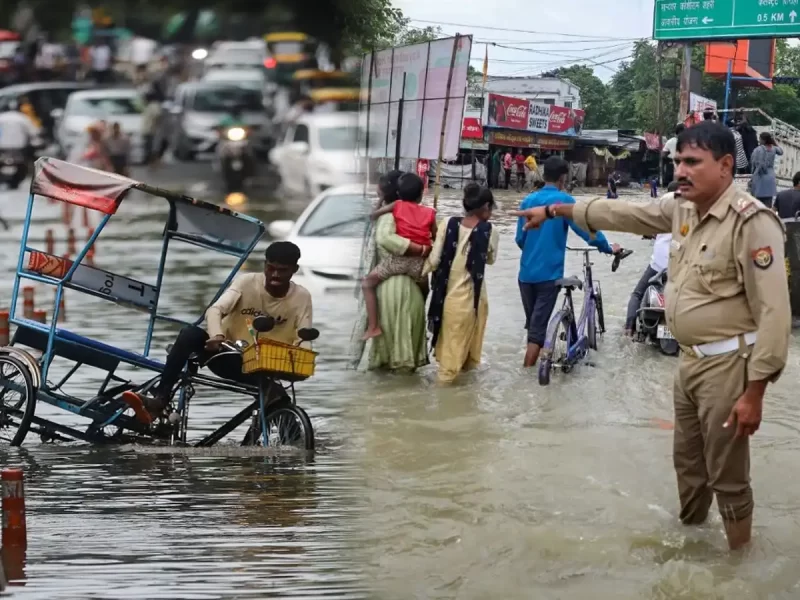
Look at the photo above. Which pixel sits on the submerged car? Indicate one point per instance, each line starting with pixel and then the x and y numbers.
pixel 318 152
pixel 113 105
pixel 330 234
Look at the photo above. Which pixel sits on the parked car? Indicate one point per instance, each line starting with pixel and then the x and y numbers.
pixel 249 77
pixel 318 151
pixel 237 55
pixel 329 234
pixel 199 107
pixel 45 98
pixel 120 105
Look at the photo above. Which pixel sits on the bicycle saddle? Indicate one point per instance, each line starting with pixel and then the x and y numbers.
pixel 570 283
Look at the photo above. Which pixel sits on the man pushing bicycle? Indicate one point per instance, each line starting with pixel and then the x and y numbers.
pixel 543 251
pixel 270 293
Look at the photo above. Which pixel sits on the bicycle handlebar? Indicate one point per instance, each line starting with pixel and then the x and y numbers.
pixel 584 249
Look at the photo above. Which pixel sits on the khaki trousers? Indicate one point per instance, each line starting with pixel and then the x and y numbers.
pixel 708 459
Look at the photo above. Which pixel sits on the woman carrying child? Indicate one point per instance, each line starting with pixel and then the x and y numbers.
pixel 413 222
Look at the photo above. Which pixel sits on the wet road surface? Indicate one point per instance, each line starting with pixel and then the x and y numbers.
pixel 204 524
pixel 492 488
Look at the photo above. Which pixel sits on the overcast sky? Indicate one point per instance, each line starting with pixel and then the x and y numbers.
pixel 599 32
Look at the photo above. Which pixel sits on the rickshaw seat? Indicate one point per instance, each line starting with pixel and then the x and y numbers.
pixel 72 346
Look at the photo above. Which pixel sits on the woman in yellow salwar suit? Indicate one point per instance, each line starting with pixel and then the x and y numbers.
pixel 459 306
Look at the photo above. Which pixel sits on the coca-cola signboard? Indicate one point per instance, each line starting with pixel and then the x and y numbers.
pixel 506 111
pixel 550 118
pixel 565 121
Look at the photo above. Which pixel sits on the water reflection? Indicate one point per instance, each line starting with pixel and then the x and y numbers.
pixel 127 523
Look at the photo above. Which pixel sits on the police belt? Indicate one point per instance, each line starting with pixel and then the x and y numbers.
pixel 720 347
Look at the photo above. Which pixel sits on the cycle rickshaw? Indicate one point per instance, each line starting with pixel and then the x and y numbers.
pixel 24 376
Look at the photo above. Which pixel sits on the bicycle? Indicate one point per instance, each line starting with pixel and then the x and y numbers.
pixel 578 337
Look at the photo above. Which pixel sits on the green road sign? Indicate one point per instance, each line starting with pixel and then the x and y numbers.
pixel 725 19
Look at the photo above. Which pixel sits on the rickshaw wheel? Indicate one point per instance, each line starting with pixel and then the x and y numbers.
pixel 16 412
pixel 288 425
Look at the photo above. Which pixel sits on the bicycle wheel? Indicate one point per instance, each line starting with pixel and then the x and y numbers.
pixel 555 350
pixel 601 318
pixel 287 426
pixel 17 400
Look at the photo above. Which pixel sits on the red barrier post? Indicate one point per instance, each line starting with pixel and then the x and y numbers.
pixel 27 302
pixel 71 241
pixel 14 531
pixel 49 242
pixel 4 328
pixel 40 316
pixel 62 306
pixel 90 252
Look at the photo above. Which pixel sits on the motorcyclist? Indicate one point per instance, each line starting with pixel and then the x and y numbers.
pixel 658 263
pixel 233 117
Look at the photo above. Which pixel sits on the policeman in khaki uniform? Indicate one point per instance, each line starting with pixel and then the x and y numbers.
pixel 727 303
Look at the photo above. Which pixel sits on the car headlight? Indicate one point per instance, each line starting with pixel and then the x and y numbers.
pixel 236 134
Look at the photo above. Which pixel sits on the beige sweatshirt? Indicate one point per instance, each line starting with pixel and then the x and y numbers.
pixel 247 299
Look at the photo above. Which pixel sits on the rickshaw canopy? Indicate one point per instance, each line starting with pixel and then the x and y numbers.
pixel 194 221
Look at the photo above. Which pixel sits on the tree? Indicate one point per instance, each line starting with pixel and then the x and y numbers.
pixel 594 95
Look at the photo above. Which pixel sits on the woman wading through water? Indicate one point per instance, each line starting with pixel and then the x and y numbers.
pixel 402 345
pixel 459 304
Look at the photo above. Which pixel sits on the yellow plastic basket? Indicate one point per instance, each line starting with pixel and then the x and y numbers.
pixel 289 363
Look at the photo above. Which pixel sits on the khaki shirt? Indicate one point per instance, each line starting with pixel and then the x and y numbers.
pixel 726 271
pixel 232 315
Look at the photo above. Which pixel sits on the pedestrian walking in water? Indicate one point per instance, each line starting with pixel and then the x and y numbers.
pixel 764 185
pixel 727 304
pixel 119 149
pixel 459 304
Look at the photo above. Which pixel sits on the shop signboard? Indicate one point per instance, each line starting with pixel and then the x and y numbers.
pixel 536 117
pixel 472 129
pixel 507 112
pixel 524 139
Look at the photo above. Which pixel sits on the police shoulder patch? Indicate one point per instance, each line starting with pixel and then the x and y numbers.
pixel 762 257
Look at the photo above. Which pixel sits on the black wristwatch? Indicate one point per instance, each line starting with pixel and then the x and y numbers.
pixel 547 212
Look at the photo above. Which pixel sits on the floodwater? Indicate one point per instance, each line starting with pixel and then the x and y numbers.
pixel 216 523
pixel 492 488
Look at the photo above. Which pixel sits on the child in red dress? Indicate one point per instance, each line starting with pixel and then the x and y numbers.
pixel 414 222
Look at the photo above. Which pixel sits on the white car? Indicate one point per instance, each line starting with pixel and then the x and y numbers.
pixel 248 77
pixel 318 152
pixel 237 55
pixel 330 234
pixel 113 105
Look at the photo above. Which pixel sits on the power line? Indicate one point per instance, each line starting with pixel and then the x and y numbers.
pixel 506 29
pixel 535 50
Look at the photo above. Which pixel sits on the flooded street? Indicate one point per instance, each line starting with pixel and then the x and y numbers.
pixel 492 488
pixel 499 488
pixel 205 524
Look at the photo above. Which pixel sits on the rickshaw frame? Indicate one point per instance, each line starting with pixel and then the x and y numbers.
pixel 190 221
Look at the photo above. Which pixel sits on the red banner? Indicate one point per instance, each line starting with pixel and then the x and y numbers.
pixel 565 121
pixel 505 111
pixel 472 129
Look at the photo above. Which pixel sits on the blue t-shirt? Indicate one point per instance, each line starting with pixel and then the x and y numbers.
pixel 544 248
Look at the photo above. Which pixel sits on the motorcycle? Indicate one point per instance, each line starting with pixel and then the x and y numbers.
pixel 235 157
pixel 651 318
pixel 15 163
